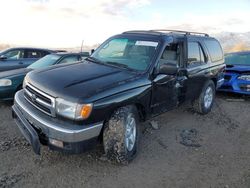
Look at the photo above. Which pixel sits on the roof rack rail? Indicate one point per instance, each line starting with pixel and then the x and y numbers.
pixel 179 31
pixel 140 31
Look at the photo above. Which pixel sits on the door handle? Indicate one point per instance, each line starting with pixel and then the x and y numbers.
pixel 20 63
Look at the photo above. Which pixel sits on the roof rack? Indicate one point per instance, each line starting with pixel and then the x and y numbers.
pixel 178 31
pixel 141 31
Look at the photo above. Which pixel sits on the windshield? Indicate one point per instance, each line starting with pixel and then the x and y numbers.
pixel 126 53
pixel 46 61
pixel 237 59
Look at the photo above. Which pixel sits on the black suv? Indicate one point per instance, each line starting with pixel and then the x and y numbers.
pixel 130 78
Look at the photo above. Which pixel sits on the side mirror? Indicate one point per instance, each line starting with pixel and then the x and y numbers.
pixel 168 68
pixel 92 51
pixel 3 57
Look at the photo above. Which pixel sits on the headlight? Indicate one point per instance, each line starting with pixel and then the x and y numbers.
pixel 73 111
pixel 25 81
pixel 5 82
pixel 244 77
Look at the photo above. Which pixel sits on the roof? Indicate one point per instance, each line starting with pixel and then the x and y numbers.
pixel 160 32
pixel 30 48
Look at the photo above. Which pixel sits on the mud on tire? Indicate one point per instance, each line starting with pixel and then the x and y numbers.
pixel 114 135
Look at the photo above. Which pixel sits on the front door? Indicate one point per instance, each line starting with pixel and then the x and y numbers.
pixel 165 87
pixel 14 60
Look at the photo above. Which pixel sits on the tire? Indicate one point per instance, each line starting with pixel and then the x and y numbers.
pixel 204 103
pixel 116 135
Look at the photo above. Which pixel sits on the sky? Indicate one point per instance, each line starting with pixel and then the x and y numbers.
pixel 65 23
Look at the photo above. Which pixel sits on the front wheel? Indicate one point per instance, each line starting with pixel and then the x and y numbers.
pixel 121 135
pixel 204 103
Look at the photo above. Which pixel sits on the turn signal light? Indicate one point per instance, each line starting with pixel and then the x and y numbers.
pixel 86 111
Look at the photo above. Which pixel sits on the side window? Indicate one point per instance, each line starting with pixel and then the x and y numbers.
pixel 170 55
pixel 14 54
pixel 33 54
pixel 44 53
pixel 69 59
pixel 214 50
pixel 195 54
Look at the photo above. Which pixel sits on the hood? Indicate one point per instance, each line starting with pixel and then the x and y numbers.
pixel 15 72
pixel 83 82
pixel 238 68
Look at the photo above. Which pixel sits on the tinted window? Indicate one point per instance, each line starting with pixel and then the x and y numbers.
pixel 237 59
pixel 214 50
pixel 69 59
pixel 33 54
pixel 44 53
pixel 195 54
pixel 14 54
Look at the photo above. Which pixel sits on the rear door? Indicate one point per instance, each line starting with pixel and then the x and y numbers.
pixel 14 60
pixel 197 68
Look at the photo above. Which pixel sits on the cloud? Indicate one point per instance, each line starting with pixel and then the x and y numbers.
pixel 65 23
pixel 117 7
pixel 89 8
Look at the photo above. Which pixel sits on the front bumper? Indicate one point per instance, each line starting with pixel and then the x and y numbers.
pixel 234 85
pixel 33 122
pixel 7 93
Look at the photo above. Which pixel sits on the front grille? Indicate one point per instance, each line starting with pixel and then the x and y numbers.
pixel 40 100
pixel 227 77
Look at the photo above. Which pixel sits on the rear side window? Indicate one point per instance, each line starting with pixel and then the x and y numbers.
pixel 33 54
pixel 214 50
pixel 195 54
pixel 44 53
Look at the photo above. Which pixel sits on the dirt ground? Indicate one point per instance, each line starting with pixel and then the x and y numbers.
pixel 186 150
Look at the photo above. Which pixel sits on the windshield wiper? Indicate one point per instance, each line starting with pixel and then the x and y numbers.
pixel 119 65
pixel 95 60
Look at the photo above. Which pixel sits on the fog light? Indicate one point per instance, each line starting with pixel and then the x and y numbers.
pixel 248 87
pixel 56 143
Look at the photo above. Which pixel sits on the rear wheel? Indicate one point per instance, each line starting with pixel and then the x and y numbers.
pixel 121 135
pixel 204 103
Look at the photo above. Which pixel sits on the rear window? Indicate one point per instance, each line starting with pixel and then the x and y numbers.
pixel 214 50
pixel 237 59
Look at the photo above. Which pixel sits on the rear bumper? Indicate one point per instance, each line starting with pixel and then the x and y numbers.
pixel 33 123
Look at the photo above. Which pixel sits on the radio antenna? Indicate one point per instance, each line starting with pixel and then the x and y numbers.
pixel 82 46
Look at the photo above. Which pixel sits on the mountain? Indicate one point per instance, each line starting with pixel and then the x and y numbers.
pixel 232 42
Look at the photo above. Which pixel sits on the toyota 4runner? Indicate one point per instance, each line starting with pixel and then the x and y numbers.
pixel 130 78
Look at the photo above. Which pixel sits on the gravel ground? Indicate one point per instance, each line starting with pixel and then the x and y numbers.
pixel 178 149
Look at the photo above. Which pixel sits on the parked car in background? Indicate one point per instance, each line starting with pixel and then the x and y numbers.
pixel 11 81
pixel 130 78
pixel 15 58
pixel 237 75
